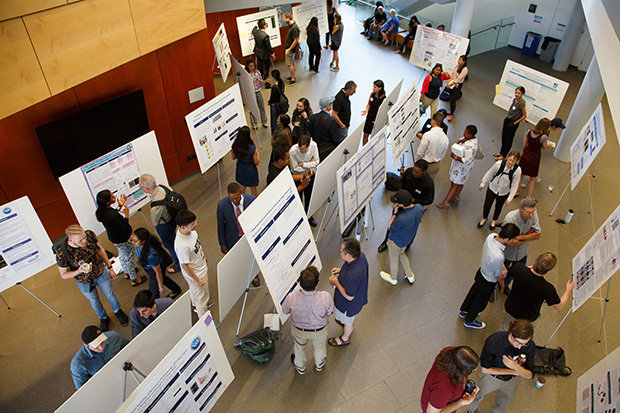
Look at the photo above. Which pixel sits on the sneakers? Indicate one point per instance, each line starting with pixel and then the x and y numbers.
pixel 122 317
pixel 462 314
pixel 292 83
pixel 300 371
pixel 478 325
pixel 320 368
pixel 537 179
pixel 312 222
pixel 335 69
pixel 382 247
pixel 387 277
pixel 331 64
pixel 411 279
pixel 104 323
pixel 210 303
pixel 289 78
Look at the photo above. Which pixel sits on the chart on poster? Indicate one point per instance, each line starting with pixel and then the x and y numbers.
pixel 404 121
pixel 222 51
pixel 245 25
pixel 598 389
pixel 432 46
pixel 587 146
pixel 306 11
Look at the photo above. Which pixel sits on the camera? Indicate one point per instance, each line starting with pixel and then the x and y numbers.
pixel 470 386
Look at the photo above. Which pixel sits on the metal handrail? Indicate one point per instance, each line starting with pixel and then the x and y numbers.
pixel 492 27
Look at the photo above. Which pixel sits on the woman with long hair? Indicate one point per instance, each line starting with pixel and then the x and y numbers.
pixel 503 182
pixel 517 113
pixel 431 87
pixel 332 9
pixel 154 259
pixel 277 89
pixel 337 32
pixel 455 84
pixel 282 137
pixel 372 108
pixel 257 82
pixel 301 119
pixel 314 44
pixel 119 231
pixel 244 151
pixel 534 142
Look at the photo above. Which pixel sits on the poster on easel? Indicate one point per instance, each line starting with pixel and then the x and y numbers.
pixel 246 83
pixel 432 46
pixel 222 51
pixel 306 11
pixel 404 121
pixel 245 25
pixel 587 146
pixel 598 389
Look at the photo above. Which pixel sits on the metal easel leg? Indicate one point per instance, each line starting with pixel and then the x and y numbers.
pixel 219 178
pixel 592 187
pixel 600 335
pixel 41 301
pixel 559 325
pixel 148 221
pixel 7 306
pixel 559 199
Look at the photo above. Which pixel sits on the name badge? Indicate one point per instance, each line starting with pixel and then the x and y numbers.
pixel 514 107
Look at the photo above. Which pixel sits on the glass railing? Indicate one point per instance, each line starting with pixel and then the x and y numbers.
pixel 491 36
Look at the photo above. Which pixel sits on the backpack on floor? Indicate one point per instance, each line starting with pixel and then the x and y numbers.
pixel 393 182
pixel 173 201
pixel 551 361
pixel 259 345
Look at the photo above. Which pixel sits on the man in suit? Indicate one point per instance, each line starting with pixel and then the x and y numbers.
pixel 262 48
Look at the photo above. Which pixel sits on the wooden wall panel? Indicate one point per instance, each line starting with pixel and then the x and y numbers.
pixel 10 9
pixel 3 198
pixel 77 42
pixel 21 79
pixel 56 217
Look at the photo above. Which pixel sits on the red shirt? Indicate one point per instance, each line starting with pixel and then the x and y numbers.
pixel 438 390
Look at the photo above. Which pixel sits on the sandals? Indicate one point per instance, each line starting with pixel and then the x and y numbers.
pixel 139 280
pixel 338 342
pixel 173 269
pixel 173 295
pixel 441 206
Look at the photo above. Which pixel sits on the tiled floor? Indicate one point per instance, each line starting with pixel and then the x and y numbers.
pixel 402 328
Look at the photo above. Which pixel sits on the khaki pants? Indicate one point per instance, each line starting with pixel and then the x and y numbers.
pixel 319 342
pixel 199 295
pixel 505 392
pixel 433 103
pixel 397 254
pixel 433 169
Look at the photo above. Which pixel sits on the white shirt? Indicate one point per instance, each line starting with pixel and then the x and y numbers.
pixel 189 251
pixel 305 158
pixel 500 185
pixel 433 145
pixel 492 263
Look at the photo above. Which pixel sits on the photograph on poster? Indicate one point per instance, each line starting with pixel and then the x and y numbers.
pixel 587 146
pixel 404 121
pixel 598 390
pixel 245 25
pixel 306 11
pixel 222 51
pixel 432 46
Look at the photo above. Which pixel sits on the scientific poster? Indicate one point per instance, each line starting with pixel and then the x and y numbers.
pixel 214 126
pixel 404 121
pixel 222 51
pixel 361 177
pixel 587 146
pixel 543 93
pixel 432 46
pixel 245 24
pixel 597 261
pixel 277 229
pixel 306 11
pixel 247 89
pixel 598 390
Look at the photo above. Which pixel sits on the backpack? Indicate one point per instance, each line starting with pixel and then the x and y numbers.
pixel 282 104
pixel 173 201
pixel 393 182
pixel 511 172
pixel 60 244
pixel 259 345
pixel 551 361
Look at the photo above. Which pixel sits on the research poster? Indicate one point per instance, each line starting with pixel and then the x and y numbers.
pixel 118 172
pixel 306 11
pixel 222 51
pixel 598 390
pixel 25 247
pixel 597 261
pixel 587 146
pixel 543 93
pixel 277 229
pixel 247 90
pixel 361 177
pixel 246 23
pixel 191 378
pixel 404 121
pixel 214 126
pixel 432 46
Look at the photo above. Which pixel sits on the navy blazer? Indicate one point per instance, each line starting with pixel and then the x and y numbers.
pixel 227 231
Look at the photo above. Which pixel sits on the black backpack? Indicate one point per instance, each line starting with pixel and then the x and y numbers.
pixel 393 182
pixel 60 244
pixel 551 361
pixel 259 345
pixel 173 201
pixel 511 172
pixel 282 104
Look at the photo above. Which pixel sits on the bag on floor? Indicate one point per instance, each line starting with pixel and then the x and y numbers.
pixel 551 361
pixel 259 345
pixel 393 182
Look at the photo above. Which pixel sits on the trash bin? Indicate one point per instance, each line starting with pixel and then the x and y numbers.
pixel 530 45
pixel 549 47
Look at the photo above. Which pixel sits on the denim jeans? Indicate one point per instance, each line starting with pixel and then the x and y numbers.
pixel 105 285
pixel 167 234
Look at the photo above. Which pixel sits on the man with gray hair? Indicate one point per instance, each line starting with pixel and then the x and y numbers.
pixel 342 108
pixel 324 128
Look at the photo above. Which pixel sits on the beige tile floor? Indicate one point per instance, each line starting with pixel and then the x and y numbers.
pixel 402 328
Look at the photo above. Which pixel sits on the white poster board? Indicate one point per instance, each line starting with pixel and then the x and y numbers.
pixel 597 261
pixel 543 93
pixel 361 177
pixel 404 120
pixel 382 113
pixel 246 23
pixel 306 11
pixel 277 229
pixel 247 89
pixel 432 46
pixel 587 146
pixel 190 378
pixel 598 389
pixel 25 247
pixel 117 171
pixel 213 127
pixel 222 51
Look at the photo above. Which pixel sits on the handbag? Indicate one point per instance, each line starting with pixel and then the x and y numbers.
pixel 282 104
pixel 445 95
pixel 479 152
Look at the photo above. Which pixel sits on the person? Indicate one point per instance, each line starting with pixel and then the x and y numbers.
pixel 160 217
pixel 83 259
pixel 301 119
pixel 390 27
pixel 341 109
pixel 257 82
pixel 413 28
pixel 351 283
pixel 433 145
pixel 324 128
pixel 517 112
pixel 530 290
pixel 277 90
pixel 502 180
pixel 119 230
pixel 455 84
pixel 444 385
pixel 372 18
pixel 262 48
pixel 154 259
pixel 556 123
pixel 193 261
pixel 332 9
pixel 379 20
pixel 291 43
pixel 403 226
pixel 98 349
pixel 491 272
pixel 309 310
pixel 431 87
pixel 461 166
pixel 377 96
pixel 146 308
pixel 534 142
pixel 505 356
pixel 304 158
pixel 337 32
pixel 427 125
pixel 314 44
pixel 283 136
pixel 280 162
pixel 441 27
pixel 244 151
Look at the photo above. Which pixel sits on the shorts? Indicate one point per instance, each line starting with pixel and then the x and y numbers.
pixel 289 58
pixel 334 48
pixel 343 318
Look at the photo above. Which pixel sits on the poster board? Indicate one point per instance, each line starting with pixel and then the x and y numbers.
pixel 213 127
pixel 326 171
pixel 138 157
pixel 277 229
pixel 432 46
pixel 306 11
pixel 404 120
pixel 543 93
pixel 598 260
pixel 222 51
pixel 190 378
pixel 389 101
pixel 361 177
pixel 247 89
pixel 246 23
pixel 105 389
pixel 25 247
pixel 597 389
pixel 587 146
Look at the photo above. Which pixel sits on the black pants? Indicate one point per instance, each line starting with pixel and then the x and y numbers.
pixel 488 202
pixel 263 67
pixel 168 282
pixel 477 297
pixel 407 38
pixel 455 95
pixel 314 57
pixel 307 193
pixel 508 135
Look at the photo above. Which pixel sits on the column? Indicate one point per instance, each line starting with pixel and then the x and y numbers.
pixel 461 20
pixel 571 36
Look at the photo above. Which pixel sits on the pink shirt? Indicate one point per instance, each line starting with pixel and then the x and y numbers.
pixel 308 309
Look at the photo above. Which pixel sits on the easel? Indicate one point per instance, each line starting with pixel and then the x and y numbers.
pixel 219 178
pixel 247 290
pixel 32 294
pixel 343 159
pixel 128 367
pixel 148 221
pixel 260 145
pixel 593 176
